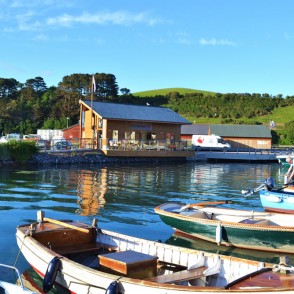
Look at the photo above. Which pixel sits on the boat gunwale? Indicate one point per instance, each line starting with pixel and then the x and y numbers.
pixel 229 224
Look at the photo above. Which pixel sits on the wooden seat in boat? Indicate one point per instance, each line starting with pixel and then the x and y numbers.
pixel 86 247
pixel 180 276
pixel 129 263
pixel 196 271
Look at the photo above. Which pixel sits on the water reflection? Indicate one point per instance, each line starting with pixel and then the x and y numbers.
pixel 91 190
pixel 122 197
pixel 198 244
pixel 33 282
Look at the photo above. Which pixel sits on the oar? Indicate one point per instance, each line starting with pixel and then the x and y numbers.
pixel 65 225
pixel 211 203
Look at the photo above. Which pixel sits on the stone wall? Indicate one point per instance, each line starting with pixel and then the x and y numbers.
pixel 94 157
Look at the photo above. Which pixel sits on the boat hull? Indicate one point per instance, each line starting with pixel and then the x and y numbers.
pixel 277 201
pixel 81 279
pixel 242 235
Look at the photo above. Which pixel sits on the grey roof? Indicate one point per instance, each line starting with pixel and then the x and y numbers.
pixel 195 129
pixel 241 131
pixel 135 112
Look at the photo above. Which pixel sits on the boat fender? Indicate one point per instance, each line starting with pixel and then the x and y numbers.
pixel 112 288
pixel 51 273
pixel 218 234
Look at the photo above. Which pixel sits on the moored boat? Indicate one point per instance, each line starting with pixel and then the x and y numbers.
pixel 282 158
pixel 7 287
pixel 86 259
pixel 231 227
pixel 278 201
pixel 275 199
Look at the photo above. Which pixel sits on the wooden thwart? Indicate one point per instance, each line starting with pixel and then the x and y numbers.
pixel 87 247
pixel 67 225
pixel 180 276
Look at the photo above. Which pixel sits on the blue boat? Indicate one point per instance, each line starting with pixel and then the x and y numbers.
pixel 278 201
pixel 275 199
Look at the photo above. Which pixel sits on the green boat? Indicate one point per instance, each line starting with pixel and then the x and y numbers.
pixel 282 159
pixel 254 230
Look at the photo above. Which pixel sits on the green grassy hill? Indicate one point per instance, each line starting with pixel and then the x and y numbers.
pixel 280 116
pixel 165 91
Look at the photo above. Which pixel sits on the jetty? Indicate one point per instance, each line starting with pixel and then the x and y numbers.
pixel 238 155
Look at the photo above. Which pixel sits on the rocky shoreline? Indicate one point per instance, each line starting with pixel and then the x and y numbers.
pixel 81 157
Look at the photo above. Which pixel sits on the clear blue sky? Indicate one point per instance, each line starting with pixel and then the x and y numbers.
pixel 226 46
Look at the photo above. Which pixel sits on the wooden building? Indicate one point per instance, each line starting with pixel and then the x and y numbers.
pixel 112 127
pixel 71 132
pixel 239 136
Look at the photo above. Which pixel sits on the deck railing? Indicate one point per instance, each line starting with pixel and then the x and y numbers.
pixel 56 145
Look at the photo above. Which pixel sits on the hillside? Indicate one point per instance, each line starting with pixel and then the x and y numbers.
pixel 182 91
pixel 279 115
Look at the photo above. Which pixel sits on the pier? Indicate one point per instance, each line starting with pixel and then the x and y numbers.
pixel 238 155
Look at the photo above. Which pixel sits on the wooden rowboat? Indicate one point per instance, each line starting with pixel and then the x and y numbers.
pixel 85 259
pixel 230 227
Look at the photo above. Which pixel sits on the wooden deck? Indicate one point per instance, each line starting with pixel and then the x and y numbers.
pixel 265 278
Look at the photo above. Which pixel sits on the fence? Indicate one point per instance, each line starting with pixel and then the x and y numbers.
pixel 126 145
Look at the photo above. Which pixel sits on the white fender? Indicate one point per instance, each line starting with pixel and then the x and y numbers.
pixel 218 233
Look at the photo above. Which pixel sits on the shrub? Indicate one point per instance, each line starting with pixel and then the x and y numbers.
pixel 4 152
pixel 21 151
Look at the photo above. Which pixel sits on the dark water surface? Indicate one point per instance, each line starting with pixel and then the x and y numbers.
pixel 123 198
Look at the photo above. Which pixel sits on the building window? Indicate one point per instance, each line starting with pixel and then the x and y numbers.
pixel 115 135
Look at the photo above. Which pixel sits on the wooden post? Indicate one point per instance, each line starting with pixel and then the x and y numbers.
pixel 40 215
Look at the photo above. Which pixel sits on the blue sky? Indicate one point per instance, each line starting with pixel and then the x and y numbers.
pixel 226 46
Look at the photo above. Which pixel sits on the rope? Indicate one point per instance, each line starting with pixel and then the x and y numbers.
pixel 17 257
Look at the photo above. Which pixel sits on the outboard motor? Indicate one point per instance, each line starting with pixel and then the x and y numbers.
pixel 269 184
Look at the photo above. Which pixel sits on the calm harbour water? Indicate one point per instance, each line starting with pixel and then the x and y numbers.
pixel 123 198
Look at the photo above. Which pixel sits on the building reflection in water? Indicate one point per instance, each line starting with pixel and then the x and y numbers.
pixel 91 189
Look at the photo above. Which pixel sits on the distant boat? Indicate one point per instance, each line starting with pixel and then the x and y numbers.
pixel 282 158
pixel 231 227
pixel 85 259
pixel 10 288
pixel 275 199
